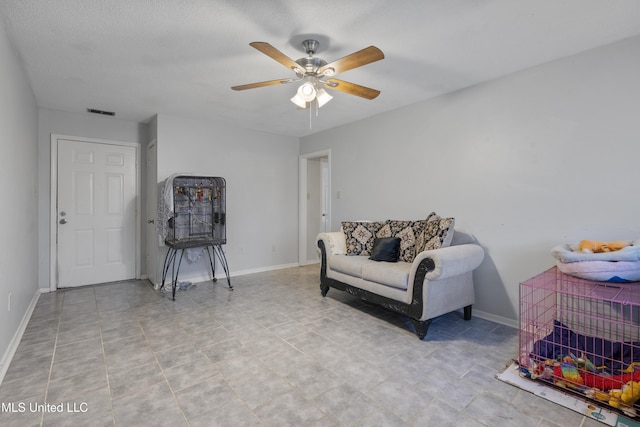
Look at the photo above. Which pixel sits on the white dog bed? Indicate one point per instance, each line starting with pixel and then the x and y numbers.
pixel 617 266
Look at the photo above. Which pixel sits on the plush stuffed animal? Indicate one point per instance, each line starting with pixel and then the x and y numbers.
pixel 625 398
pixel 631 392
pixel 595 246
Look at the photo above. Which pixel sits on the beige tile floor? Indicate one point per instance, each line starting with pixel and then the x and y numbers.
pixel 272 352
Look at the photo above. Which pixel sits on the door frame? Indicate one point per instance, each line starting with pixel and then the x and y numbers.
pixel 302 200
pixel 151 187
pixel 53 202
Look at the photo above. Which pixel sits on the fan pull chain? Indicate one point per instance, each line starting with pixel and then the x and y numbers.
pixel 313 104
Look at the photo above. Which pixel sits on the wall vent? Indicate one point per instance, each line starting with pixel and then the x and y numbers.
pixel 104 113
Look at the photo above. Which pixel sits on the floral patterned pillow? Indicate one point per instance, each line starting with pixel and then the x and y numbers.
pixel 359 236
pixel 438 233
pixel 408 232
pixel 432 216
pixel 421 236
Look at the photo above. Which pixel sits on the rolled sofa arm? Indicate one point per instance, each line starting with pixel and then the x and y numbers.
pixel 334 242
pixel 450 261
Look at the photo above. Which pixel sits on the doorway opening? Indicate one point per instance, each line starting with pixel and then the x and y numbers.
pixel 314 203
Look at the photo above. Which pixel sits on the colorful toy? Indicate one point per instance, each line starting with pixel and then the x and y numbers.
pixel 631 392
pixel 566 374
pixel 619 391
pixel 632 368
pixel 596 246
pixel 625 398
pixel 584 363
pixel 606 383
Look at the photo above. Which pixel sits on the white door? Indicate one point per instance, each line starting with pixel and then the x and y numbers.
pixel 152 209
pixel 324 227
pixel 314 206
pixel 96 212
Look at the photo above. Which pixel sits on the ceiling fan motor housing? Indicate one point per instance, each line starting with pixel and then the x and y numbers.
pixel 311 65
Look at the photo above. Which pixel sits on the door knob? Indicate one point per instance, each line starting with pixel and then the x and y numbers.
pixel 150 221
pixel 63 221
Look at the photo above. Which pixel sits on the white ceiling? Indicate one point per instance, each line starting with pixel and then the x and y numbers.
pixel 180 57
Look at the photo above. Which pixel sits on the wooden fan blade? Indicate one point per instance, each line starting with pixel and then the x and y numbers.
pixel 274 53
pixel 262 84
pixel 351 88
pixel 356 59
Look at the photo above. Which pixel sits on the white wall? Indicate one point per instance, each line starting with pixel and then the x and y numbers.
pixel 261 172
pixel 18 216
pixel 535 159
pixel 83 125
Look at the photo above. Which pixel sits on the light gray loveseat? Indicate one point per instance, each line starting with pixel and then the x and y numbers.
pixel 435 282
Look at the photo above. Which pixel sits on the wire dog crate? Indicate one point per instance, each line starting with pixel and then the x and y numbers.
pixel 583 336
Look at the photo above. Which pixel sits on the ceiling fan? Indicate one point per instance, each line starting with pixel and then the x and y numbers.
pixel 316 74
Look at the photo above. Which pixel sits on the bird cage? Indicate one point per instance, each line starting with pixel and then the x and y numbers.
pixel 199 213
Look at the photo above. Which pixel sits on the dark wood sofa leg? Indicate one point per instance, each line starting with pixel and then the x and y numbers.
pixel 421 327
pixel 467 313
pixel 324 289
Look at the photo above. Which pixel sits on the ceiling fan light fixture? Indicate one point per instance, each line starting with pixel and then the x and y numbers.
pixel 297 99
pixel 307 91
pixel 323 97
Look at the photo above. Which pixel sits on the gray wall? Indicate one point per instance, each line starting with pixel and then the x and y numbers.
pixel 261 172
pixel 532 160
pixel 18 216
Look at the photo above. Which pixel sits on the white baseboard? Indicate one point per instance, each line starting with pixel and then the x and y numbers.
pixel 15 341
pixel 198 277
pixel 263 269
pixel 498 319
